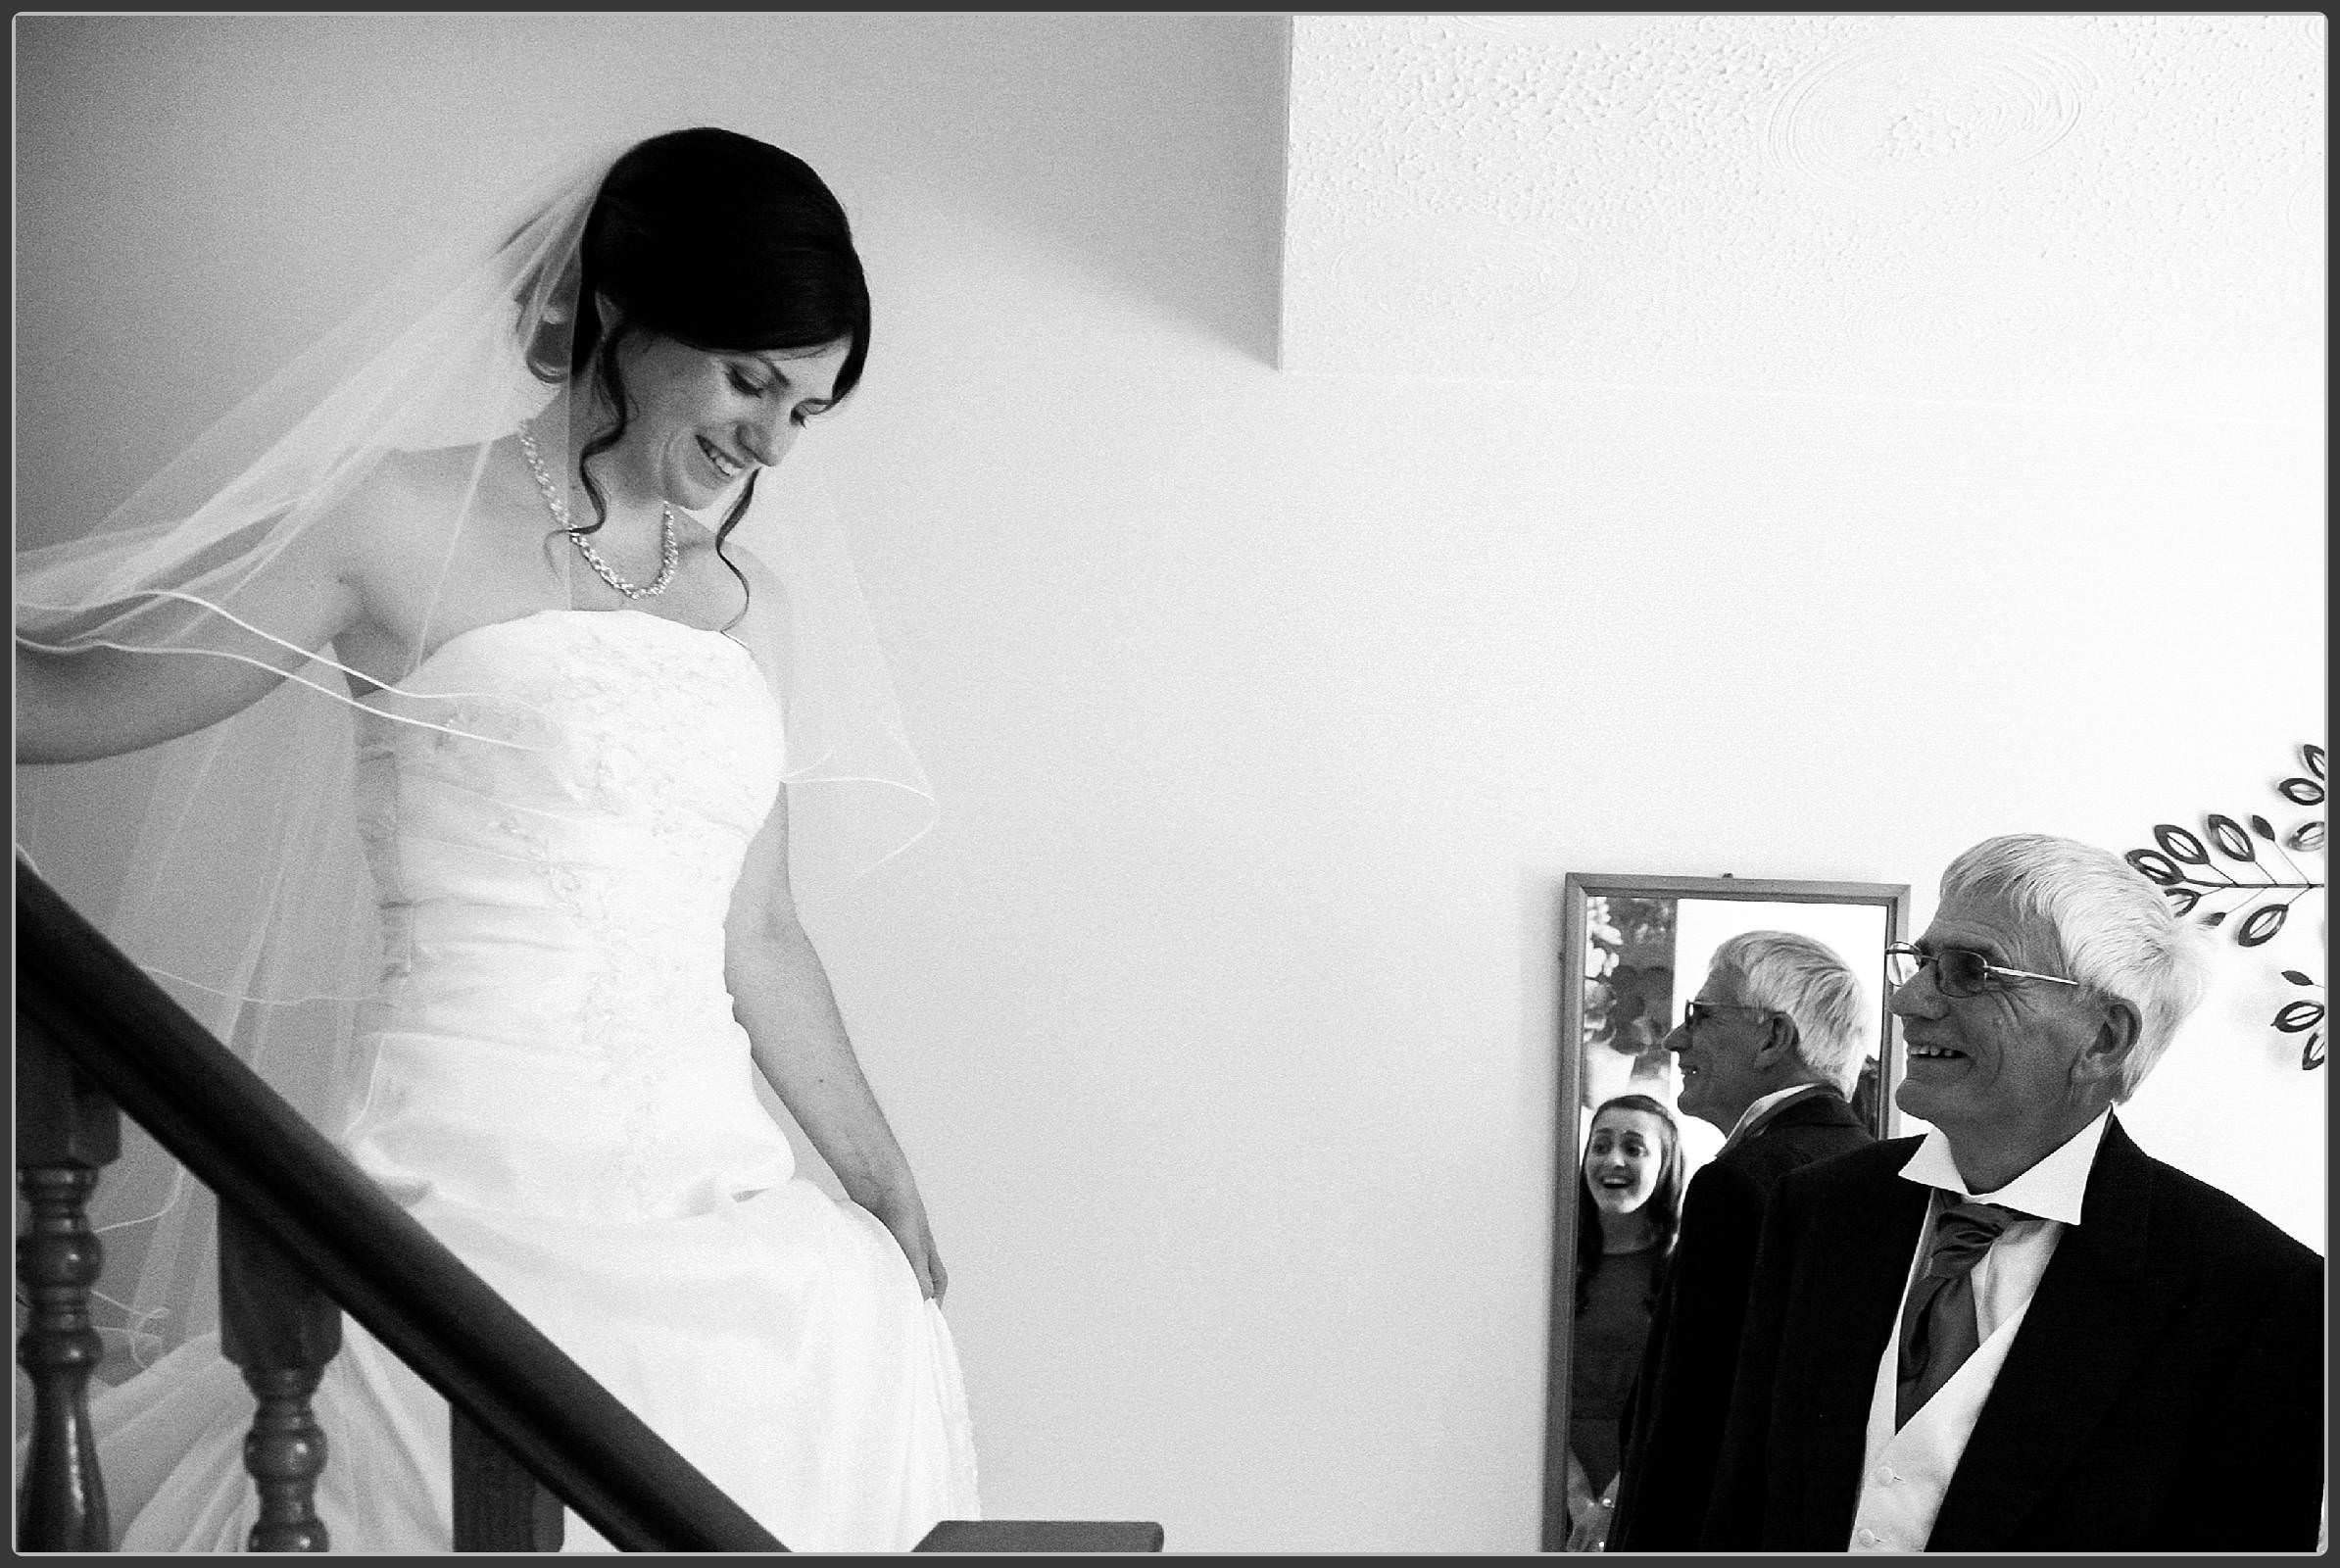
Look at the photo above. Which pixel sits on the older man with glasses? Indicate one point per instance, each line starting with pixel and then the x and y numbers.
pixel 1768 1050
pixel 2020 1333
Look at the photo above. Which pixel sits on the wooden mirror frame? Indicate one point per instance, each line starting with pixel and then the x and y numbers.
pixel 1576 888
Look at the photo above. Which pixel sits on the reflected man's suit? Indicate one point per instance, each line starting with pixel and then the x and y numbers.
pixel 1673 1428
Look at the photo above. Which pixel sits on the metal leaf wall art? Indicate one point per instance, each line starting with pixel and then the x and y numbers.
pixel 2231 869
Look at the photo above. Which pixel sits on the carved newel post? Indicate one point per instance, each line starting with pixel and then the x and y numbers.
pixel 67 1132
pixel 281 1329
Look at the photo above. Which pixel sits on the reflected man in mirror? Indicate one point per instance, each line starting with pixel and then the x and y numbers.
pixel 2018 1332
pixel 1769 1048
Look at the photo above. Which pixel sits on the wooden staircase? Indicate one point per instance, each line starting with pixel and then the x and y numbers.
pixel 303 1238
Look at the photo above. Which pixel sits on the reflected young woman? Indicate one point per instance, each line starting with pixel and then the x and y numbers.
pixel 1629 1212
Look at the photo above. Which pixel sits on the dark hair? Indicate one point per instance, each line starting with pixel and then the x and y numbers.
pixel 1665 1202
pixel 723 243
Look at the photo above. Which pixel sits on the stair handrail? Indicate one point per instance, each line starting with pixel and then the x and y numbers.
pixel 130 1039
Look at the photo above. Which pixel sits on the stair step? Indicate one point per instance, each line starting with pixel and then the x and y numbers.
pixel 1042 1534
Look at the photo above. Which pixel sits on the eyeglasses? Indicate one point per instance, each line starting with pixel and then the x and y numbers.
pixel 1957 971
pixel 1694 1014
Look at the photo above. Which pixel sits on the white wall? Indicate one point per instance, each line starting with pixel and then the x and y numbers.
pixel 1267 712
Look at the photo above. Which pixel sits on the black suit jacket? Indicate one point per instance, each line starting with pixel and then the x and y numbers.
pixel 2164 1393
pixel 1673 1426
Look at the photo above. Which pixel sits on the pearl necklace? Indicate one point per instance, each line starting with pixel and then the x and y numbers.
pixel 671 554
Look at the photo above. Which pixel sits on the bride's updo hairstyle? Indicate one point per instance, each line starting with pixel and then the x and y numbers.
pixel 725 244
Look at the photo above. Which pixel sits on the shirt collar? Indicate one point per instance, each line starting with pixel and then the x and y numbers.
pixel 1763 1103
pixel 2051 1189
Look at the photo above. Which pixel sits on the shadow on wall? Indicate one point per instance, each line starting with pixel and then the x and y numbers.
pixel 1145 151
pixel 1150 148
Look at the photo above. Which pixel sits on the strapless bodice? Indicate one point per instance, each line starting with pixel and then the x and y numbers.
pixel 555 851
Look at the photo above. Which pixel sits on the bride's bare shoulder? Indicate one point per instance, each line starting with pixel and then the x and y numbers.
pixel 765 607
pixel 417 500
pixel 760 576
pixel 418 486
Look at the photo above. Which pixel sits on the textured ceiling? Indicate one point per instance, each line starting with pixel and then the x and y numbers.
pixel 2118 210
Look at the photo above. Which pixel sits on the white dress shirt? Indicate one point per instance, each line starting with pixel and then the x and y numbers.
pixel 1904 1473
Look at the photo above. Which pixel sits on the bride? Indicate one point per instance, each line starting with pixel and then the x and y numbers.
pixel 472 726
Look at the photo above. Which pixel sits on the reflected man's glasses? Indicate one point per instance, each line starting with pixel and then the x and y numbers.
pixel 1694 1014
pixel 1957 971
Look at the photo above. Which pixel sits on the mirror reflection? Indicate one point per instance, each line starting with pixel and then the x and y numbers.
pixel 1667 1058
pixel 1644 958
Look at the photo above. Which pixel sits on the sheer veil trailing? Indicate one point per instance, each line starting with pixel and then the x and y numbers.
pixel 240 881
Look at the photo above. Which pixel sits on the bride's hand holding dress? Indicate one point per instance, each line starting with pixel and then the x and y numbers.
pixel 781 996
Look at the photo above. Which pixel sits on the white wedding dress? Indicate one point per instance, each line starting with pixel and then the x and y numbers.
pixel 560 1093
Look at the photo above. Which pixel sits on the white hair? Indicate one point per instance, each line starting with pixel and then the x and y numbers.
pixel 1817 989
pixel 2110 928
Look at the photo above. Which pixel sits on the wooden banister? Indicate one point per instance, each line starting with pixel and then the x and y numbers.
pixel 126 1036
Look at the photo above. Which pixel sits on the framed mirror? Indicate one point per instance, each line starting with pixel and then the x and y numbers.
pixel 1634 950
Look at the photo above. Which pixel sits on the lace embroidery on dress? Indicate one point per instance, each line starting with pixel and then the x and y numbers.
pixel 629 827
